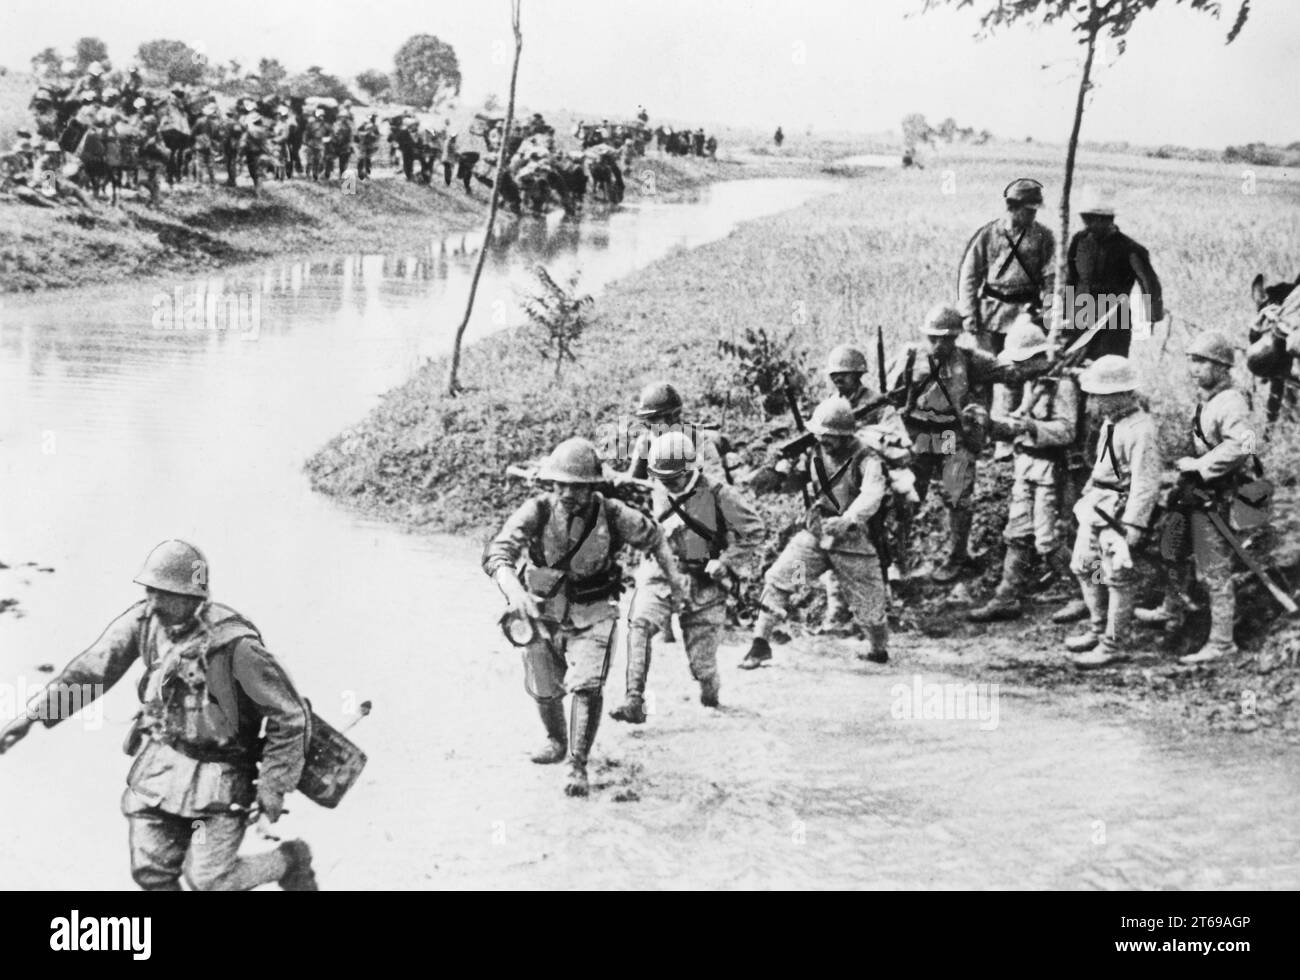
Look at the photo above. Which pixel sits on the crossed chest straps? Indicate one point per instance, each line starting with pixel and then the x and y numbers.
pixel 715 537
pixel 589 522
pixel 915 392
pixel 825 483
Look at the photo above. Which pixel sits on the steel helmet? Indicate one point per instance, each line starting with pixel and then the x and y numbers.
pixel 658 398
pixel 1094 200
pixel 846 358
pixel 833 417
pixel 671 453
pixel 175 566
pixel 1024 190
pixel 1109 375
pixel 1025 339
pixel 1212 346
pixel 572 461
pixel 941 321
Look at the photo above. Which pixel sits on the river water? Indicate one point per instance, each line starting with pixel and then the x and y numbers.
pixel 117 431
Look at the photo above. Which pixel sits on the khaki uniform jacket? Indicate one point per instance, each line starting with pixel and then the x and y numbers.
pixel 930 413
pixel 989 261
pixel 1133 471
pixel 1054 414
pixel 539 530
pixel 1222 436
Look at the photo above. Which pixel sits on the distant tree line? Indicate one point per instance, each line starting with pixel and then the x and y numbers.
pixel 425 71
pixel 917 130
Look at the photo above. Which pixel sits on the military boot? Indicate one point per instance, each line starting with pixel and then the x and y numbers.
pixel 632 710
pixel 1223 611
pixel 709 688
pixel 959 522
pixel 760 651
pixel 1005 603
pixel 557 743
pixel 1095 597
pixel 876 649
pixel 584 720
pixel 298 874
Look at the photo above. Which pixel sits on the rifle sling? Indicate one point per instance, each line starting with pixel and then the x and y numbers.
pixel 713 536
pixel 826 483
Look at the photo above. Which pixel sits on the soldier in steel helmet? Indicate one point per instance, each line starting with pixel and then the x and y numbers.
pixel 1113 512
pixel 202 766
pixel 568 540
pixel 882 429
pixel 713 532
pixel 660 410
pixel 1042 428
pixel 848 484
pixel 946 421
pixel 1007 268
pixel 1222 461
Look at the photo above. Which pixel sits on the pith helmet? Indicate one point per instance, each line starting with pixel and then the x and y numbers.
pixel 846 358
pixel 657 398
pixel 1025 339
pixel 1212 346
pixel 941 321
pixel 1109 375
pixel 1094 200
pixel 1024 190
pixel 671 453
pixel 94 68
pixel 572 461
pixel 833 417
pixel 175 566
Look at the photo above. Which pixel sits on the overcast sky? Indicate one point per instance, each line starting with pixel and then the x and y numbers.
pixel 829 64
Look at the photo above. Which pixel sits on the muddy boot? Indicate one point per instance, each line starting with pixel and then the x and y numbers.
pixel 760 651
pixel 709 688
pixel 557 744
pixel 584 720
pixel 632 710
pixel 959 522
pixel 298 874
pixel 876 649
pixel 1119 617
pixel 1223 611
pixel 1095 597
pixel 1005 603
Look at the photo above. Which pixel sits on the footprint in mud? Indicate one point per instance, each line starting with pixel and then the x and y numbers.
pixel 622 780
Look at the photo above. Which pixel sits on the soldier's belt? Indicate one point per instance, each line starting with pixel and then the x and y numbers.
pixel 1020 296
pixel 1054 453
pixel 232 756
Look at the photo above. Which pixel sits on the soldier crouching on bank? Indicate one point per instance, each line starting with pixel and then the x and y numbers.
pixel 571 537
pixel 209 686
pixel 847 485
pixel 713 531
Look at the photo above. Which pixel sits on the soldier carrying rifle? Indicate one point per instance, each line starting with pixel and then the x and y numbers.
pixel 844 485
pixel 713 531
pixel 1222 479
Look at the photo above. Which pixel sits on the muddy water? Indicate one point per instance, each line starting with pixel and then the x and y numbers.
pixel 115 433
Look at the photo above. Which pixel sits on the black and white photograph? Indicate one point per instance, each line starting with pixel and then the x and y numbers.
pixel 629 446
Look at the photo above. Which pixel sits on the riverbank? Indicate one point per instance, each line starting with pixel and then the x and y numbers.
pixel 881 251
pixel 201 228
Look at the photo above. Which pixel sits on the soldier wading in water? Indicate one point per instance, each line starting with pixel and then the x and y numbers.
pixel 571 582
pixel 202 769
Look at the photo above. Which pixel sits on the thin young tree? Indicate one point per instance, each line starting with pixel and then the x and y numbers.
pixel 1091 21
pixel 453 382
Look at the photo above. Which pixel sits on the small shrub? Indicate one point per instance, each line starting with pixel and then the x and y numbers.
pixel 561 315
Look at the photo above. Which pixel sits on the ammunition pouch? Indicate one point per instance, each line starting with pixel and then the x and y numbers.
pixel 545 583
pixel 1252 504
pixel 595 588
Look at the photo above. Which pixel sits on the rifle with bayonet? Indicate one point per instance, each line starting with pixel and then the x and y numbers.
pixel 798 445
pixel 613 485
pixel 1069 360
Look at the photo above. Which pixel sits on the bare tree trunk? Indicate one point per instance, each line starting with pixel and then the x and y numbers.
pixel 453 382
pixel 1063 242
